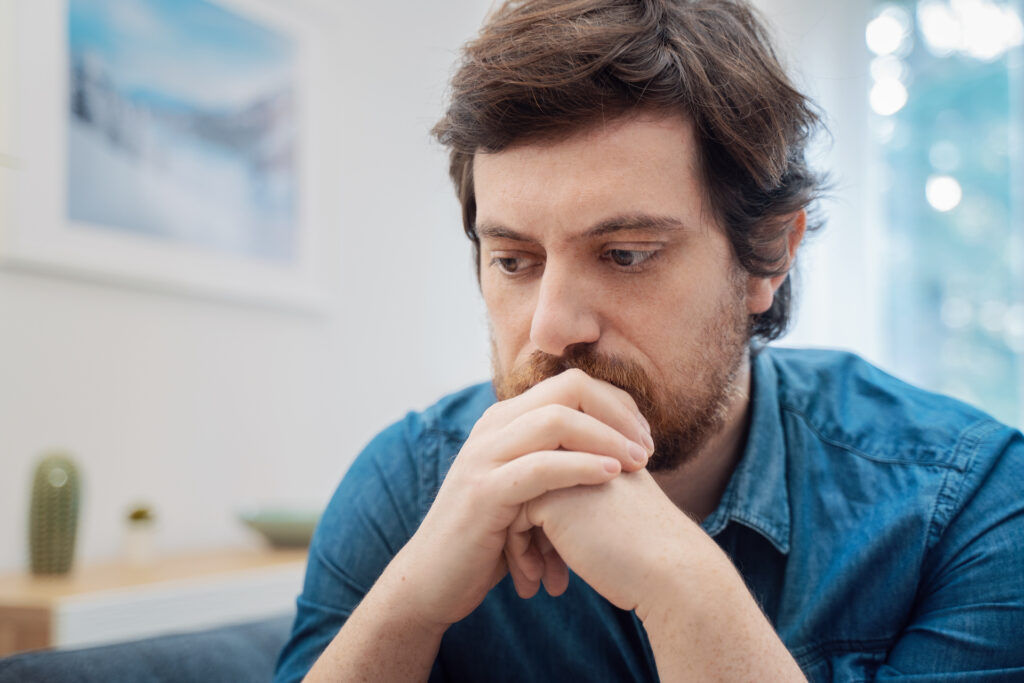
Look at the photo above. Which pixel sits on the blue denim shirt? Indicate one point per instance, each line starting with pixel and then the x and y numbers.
pixel 880 527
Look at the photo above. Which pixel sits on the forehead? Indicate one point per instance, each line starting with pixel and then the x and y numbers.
pixel 642 164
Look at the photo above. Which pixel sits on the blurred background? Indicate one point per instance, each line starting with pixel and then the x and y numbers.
pixel 201 406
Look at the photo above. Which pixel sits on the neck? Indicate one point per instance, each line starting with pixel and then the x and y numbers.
pixel 697 486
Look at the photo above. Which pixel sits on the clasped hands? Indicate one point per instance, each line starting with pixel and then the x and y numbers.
pixel 524 496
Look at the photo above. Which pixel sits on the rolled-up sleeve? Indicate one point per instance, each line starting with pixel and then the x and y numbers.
pixel 372 514
pixel 968 618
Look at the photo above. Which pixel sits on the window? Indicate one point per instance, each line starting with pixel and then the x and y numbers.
pixel 946 92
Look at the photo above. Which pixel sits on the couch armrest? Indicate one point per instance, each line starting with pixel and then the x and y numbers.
pixel 228 654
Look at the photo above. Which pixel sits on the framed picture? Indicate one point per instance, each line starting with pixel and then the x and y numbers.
pixel 165 143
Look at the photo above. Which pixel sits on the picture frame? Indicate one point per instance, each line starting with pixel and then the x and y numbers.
pixel 188 188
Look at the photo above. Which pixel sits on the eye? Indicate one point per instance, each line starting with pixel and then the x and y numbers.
pixel 513 265
pixel 630 259
pixel 506 264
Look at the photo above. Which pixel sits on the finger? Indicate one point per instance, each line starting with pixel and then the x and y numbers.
pixel 519 549
pixel 525 586
pixel 579 391
pixel 556 572
pixel 555 426
pixel 556 576
pixel 499 572
pixel 540 539
pixel 534 474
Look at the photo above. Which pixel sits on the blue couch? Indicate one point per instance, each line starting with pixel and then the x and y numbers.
pixel 230 654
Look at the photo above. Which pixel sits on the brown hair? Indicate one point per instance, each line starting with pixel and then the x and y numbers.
pixel 541 69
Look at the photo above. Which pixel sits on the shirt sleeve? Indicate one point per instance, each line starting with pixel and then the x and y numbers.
pixel 968 618
pixel 373 513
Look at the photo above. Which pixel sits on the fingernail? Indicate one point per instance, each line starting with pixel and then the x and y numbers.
pixel 649 442
pixel 612 465
pixel 637 452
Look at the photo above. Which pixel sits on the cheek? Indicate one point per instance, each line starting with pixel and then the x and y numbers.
pixel 667 325
pixel 501 305
pixel 510 312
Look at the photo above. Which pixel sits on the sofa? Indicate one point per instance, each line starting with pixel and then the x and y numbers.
pixel 228 654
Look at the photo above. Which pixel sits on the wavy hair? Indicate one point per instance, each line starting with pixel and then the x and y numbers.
pixel 542 69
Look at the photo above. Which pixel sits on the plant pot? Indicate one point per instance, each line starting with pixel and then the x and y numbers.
pixel 140 543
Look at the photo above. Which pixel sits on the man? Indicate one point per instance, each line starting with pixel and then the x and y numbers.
pixel 696 507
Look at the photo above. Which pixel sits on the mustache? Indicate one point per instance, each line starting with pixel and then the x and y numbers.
pixel 619 372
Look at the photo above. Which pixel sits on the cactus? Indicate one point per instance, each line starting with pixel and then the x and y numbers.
pixel 53 515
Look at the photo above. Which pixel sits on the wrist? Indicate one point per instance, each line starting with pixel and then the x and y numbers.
pixel 382 639
pixel 402 597
pixel 699 615
pixel 690 574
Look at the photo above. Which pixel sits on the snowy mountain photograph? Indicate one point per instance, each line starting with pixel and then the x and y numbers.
pixel 182 126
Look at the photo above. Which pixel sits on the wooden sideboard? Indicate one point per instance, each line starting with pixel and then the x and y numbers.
pixel 112 602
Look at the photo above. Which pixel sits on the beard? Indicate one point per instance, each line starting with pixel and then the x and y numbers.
pixel 685 413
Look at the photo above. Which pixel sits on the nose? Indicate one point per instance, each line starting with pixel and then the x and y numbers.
pixel 564 313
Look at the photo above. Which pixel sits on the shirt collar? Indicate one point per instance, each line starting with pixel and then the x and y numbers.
pixel 757 495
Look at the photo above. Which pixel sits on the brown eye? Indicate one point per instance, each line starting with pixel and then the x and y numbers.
pixel 507 264
pixel 630 258
pixel 622 257
pixel 520 265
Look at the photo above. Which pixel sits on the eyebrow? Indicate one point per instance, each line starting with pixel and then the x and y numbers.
pixel 637 221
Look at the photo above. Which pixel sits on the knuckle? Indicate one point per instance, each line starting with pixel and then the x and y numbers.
pixel 531 468
pixel 478 443
pixel 576 377
pixel 570 385
pixel 490 413
pixel 536 468
pixel 552 417
pixel 490 417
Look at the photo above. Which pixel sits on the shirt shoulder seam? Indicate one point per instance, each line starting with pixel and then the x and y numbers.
pixel 873 457
pixel 947 499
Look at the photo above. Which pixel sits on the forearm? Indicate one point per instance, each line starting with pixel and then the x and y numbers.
pixel 705 625
pixel 381 641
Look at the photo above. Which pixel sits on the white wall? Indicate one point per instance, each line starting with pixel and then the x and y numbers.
pixel 201 407
pixel 840 270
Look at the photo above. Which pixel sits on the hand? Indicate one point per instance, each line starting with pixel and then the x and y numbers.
pixel 625 538
pixel 630 543
pixel 567 431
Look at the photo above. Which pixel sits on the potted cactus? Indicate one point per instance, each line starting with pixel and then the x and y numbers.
pixel 53 514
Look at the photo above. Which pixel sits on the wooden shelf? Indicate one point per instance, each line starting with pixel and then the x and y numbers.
pixel 117 601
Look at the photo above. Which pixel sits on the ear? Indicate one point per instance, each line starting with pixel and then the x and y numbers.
pixel 761 290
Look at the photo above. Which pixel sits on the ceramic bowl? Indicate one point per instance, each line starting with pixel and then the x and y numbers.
pixel 282 527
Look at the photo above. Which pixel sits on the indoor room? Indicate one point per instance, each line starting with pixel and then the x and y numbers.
pixel 231 256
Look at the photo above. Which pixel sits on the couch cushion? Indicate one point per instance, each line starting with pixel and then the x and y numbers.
pixel 242 652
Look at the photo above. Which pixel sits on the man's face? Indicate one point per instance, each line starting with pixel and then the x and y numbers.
pixel 599 252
